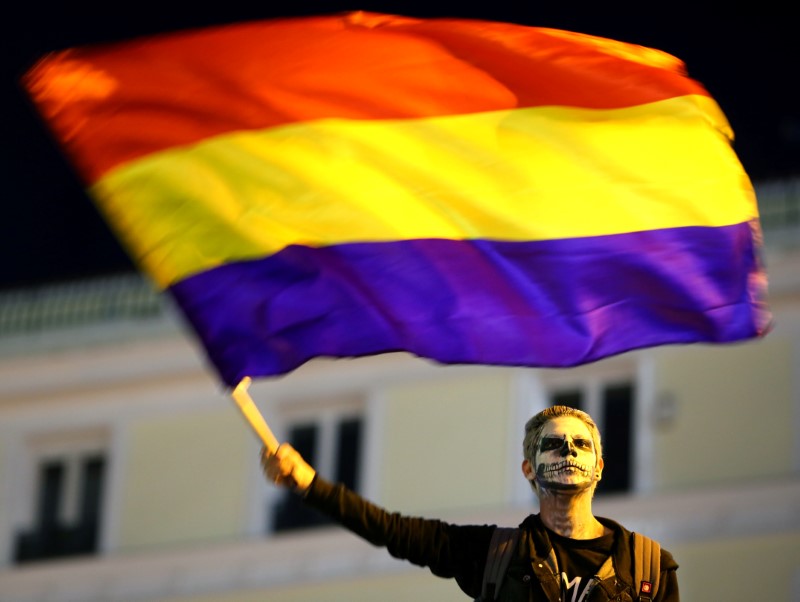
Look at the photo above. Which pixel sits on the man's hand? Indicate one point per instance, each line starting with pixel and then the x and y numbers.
pixel 287 468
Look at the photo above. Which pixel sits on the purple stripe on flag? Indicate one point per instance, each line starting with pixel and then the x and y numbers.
pixel 554 303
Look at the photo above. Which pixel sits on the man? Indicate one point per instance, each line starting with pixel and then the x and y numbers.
pixel 563 554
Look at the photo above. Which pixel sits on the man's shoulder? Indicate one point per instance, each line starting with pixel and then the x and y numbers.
pixel 668 563
pixel 667 560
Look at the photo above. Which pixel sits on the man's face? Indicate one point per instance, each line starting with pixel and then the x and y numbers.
pixel 565 458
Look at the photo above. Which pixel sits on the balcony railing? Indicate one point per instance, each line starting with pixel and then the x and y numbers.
pixel 78 303
pixel 779 207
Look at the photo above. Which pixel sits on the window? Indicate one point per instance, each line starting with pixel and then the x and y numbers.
pixel 611 404
pixel 332 443
pixel 65 498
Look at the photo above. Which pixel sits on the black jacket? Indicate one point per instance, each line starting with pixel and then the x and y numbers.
pixel 460 551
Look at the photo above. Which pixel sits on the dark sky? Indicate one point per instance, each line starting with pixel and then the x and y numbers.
pixel 49 231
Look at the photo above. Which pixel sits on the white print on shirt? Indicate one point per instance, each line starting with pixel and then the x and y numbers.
pixel 574 587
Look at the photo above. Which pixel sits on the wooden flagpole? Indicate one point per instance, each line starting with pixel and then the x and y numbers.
pixel 253 416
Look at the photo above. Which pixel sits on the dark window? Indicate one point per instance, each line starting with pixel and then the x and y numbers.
pixel 617 438
pixel 50 537
pixel 349 451
pixel 92 485
pixel 290 513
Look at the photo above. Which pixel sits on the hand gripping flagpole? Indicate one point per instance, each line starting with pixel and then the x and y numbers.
pixel 253 416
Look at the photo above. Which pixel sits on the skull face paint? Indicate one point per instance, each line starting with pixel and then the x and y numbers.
pixel 565 457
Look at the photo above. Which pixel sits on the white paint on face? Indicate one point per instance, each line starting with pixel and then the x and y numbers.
pixel 565 457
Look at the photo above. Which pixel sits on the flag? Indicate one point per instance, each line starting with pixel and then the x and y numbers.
pixel 466 191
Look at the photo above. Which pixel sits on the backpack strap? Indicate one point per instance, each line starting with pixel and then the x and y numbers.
pixel 646 566
pixel 501 549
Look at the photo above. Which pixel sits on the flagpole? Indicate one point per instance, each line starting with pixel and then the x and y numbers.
pixel 253 416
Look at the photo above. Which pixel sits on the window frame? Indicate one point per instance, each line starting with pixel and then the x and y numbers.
pixel 71 447
pixel 327 413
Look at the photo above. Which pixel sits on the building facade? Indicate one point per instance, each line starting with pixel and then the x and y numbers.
pixel 127 474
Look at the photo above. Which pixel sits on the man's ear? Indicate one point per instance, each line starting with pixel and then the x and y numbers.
pixel 598 471
pixel 527 470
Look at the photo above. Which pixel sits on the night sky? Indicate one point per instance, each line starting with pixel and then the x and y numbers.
pixel 50 231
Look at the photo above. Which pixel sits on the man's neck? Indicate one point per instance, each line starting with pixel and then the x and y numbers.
pixel 570 514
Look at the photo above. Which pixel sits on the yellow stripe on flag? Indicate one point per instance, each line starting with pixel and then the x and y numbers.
pixel 524 174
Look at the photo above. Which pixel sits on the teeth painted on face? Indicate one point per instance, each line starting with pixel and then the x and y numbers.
pixel 566 466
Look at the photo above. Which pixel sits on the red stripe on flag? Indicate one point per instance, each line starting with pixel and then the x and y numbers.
pixel 120 102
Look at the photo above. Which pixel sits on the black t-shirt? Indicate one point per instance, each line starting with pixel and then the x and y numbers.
pixel 578 561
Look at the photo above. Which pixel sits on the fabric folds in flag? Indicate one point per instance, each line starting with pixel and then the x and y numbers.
pixel 467 191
